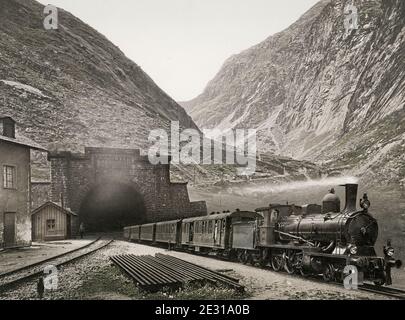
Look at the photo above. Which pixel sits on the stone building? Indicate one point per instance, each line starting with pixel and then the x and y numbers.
pixel 15 191
pixel 112 188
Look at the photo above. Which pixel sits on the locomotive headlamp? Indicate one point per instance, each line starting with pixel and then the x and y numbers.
pixel 353 250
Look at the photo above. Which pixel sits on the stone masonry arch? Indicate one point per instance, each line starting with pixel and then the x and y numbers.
pixel 74 176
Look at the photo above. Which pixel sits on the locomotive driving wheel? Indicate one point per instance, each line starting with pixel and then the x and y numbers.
pixel 290 260
pixel 329 273
pixel 293 262
pixel 277 262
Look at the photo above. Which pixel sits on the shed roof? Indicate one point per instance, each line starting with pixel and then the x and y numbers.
pixel 55 205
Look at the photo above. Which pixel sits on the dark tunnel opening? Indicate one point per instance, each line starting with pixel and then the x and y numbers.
pixel 111 207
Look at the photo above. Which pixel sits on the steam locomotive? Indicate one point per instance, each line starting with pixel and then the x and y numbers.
pixel 308 240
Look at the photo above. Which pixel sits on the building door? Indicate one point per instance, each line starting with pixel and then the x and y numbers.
pixel 191 233
pixel 9 229
pixel 217 233
pixel 68 227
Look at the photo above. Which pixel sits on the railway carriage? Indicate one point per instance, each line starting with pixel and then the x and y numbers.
pixel 147 232
pixel 213 232
pixel 168 232
pixel 134 233
pixel 127 233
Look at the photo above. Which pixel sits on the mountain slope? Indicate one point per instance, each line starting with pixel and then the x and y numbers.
pixel 72 87
pixel 316 92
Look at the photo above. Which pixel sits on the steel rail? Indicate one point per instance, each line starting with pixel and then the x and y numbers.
pixel 206 273
pixel 165 271
pixel 386 291
pixel 10 284
pixel 30 266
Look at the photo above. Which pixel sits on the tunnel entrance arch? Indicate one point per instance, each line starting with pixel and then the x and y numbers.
pixel 79 181
pixel 111 206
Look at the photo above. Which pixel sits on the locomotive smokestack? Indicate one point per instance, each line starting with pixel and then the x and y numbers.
pixel 351 197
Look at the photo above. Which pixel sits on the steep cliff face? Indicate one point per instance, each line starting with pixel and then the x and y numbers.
pixel 71 87
pixel 316 92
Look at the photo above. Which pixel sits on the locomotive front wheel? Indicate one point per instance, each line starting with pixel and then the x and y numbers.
pixel 289 263
pixel 277 262
pixel 329 273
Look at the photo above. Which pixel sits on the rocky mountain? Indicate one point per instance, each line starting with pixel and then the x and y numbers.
pixel 72 87
pixel 317 92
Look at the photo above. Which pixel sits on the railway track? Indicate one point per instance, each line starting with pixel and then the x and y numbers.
pixel 386 291
pixel 13 278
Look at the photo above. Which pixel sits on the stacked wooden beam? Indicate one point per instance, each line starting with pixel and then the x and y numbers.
pixel 163 271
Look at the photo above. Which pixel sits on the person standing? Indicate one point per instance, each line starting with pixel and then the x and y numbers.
pixel 81 230
pixel 40 288
pixel 365 203
pixel 388 254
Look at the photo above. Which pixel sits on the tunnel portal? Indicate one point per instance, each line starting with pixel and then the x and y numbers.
pixel 110 188
pixel 112 206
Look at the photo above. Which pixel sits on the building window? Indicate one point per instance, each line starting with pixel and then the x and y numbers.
pixel 51 224
pixel 9 177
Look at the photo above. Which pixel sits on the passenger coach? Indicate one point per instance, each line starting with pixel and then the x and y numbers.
pixel 168 232
pixel 214 231
pixel 133 233
pixel 147 232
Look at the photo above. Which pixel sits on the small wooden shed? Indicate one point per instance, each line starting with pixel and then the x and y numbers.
pixel 51 222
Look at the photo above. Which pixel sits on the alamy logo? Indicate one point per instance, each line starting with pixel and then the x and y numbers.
pixel 51 20
pixel 50 278
pixel 186 147
pixel 352 278
pixel 351 21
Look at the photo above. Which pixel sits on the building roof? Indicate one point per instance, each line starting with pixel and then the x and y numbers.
pixel 19 138
pixel 55 205
pixel 22 141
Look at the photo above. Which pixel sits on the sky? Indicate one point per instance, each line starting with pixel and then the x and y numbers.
pixel 182 44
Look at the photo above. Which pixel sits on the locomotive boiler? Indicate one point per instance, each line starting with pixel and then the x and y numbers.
pixel 331 228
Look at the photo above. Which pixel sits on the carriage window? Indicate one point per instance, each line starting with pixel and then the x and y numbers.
pixel 209 226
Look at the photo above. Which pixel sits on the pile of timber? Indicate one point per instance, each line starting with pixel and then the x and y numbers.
pixel 162 271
